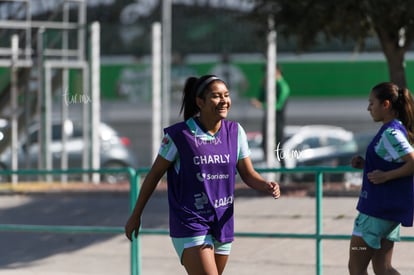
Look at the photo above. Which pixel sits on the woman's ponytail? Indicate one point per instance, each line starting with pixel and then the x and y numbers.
pixel 188 105
pixel 406 111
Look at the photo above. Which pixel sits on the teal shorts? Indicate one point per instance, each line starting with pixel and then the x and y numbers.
pixel 206 240
pixel 372 230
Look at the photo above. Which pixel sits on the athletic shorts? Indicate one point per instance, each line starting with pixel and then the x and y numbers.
pixel 206 240
pixel 372 230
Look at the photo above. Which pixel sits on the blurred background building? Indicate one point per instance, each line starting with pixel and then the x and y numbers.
pixel 203 32
pixel 206 37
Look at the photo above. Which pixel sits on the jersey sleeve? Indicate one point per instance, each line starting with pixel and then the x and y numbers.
pixel 243 146
pixel 396 143
pixel 168 150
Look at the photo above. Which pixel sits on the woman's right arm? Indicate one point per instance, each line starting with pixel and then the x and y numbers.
pixel 158 169
pixel 407 169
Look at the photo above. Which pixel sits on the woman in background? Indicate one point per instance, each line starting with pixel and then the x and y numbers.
pixel 386 198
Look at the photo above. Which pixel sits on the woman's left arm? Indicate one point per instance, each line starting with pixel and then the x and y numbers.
pixel 378 176
pixel 253 179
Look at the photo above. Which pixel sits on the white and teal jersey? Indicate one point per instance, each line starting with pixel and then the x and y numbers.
pixel 393 145
pixel 168 150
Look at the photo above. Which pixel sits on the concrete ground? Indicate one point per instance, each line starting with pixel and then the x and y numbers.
pixel 76 254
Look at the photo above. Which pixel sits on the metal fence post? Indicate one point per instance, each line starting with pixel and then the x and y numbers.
pixel 136 242
pixel 319 216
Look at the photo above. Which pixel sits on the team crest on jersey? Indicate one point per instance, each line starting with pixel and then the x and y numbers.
pixel 165 141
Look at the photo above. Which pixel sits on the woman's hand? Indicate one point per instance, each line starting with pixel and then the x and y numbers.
pixel 358 162
pixel 273 189
pixel 377 176
pixel 132 227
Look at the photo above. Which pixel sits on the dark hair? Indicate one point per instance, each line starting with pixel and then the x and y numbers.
pixel 195 87
pixel 401 102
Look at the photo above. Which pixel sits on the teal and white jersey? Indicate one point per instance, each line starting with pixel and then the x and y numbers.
pixel 393 145
pixel 168 150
